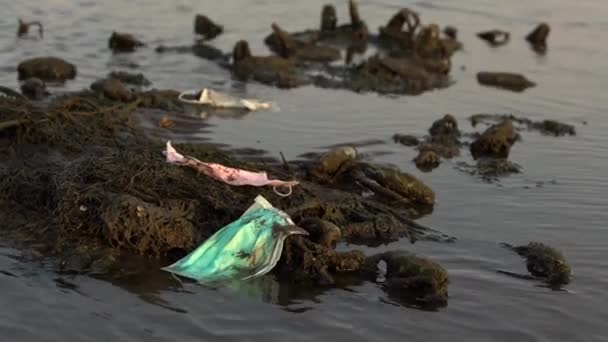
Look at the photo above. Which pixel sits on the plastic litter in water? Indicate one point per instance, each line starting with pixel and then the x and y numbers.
pixel 214 98
pixel 244 249
pixel 226 174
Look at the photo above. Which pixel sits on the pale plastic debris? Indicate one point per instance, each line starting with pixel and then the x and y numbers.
pixel 227 174
pixel 213 98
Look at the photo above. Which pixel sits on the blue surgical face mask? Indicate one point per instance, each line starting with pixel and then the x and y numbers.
pixel 246 248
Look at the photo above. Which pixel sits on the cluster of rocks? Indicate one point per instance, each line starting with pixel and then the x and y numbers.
pixel 410 57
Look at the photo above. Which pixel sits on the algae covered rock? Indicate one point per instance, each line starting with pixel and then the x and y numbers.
pixel 505 80
pixel 124 42
pixel 406 139
pixel 322 232
pixel 130 78
pixel 427 160
pixel 113 89
pixel 496 141
pixel 206 27
pixel 331 162
pixel 46 69
pixel 411 279
pixel 391 75
pixel 406 185
pixel 287 46
pixel 545 262
pixel 272 70
pixel 304 261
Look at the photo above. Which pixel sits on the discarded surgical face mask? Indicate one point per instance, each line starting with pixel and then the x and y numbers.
pixel 226 174
pixel 213 98
pixel 246 248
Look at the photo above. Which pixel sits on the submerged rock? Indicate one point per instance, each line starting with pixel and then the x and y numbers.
pixel 491 168
pixel 547 127
pixel 505 80
pixel 206 27
pixel 427 160
pixel 124 42
pixel 130 78
pixel 444 138
pixel 553 127
pixel 287 46
pixel 273 70
pixel 199 49
pixel 405 139
pixel 304 261
pixel 113 89
pixel 495 142
pixel 391 75
pixel 545 262
pixel 411 279
pixel 46 69
pixel 495 37
pixel 34 89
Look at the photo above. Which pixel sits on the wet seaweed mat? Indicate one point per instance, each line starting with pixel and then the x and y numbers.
pixel 80 173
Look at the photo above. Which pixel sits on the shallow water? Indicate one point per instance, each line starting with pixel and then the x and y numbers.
pixel 559 198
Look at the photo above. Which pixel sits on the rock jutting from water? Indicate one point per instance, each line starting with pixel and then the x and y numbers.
pixel 495 37
pixel 538 37
pixel 495 142
pixel 206 27
pixel 505 80
pixel 273 70
pixel 124 42
pixel 544 262
pixel 51 69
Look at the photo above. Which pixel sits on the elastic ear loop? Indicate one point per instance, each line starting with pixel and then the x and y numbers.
pixel 274 188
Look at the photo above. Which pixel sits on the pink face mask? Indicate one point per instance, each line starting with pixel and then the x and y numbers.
pixel 226 174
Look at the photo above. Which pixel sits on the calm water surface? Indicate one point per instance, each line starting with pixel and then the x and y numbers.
pixel 560 198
